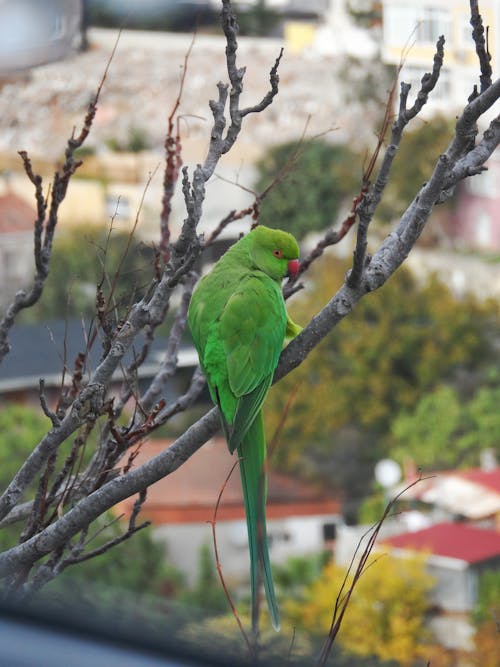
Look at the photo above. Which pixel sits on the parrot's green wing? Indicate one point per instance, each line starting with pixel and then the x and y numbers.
pixel 248 408
pixel 252 328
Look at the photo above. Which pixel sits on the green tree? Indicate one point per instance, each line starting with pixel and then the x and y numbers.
pixel 137 565
pixel 80 259
pixel 425 434
pixel 488 596
pixel 207 593
pixel 394 349
pixel 20 429
pixel 259 20
pixel 308 199
pixel 299 572
pixel 444 430
pixel 486 652
pixel 486 614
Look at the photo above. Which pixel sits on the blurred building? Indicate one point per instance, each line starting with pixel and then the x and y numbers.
pixel 474 222
pixel 56 353
pixel 301 519
pixel 34 32
pixel 411 29
pixel 456 555
pixel 17 219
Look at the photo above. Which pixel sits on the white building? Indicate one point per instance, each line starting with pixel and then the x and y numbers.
pixel 410 31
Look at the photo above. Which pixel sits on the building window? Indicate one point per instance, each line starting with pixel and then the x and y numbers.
pixel 413 76
pixel 276 537
pixel 483 230
pixel 329 532
pixel 432 23
pixel 405 23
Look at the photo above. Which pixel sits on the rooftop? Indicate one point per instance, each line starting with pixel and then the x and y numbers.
pixel 451 540
pixel 190 493
pixel 16 215
pixel 44 349
pixel 473 493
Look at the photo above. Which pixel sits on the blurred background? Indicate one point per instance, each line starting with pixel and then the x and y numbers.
pixel 409 383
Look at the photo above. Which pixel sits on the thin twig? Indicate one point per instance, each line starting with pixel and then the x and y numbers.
pixel 372 196
pixel 344 595
pixel 173 164
pixel 45 224
pixel 218 565
pixel 44 405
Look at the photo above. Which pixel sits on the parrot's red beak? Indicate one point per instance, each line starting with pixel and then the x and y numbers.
pixel 293 268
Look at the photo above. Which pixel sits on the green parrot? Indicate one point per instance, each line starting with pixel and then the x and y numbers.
pixel 239 325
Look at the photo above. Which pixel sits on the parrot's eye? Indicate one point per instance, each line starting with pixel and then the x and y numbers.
pixel 278 254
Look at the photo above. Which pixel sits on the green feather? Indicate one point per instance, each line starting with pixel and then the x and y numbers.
pixel 252 454
pixel 239 325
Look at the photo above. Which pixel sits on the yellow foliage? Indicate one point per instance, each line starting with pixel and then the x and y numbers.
pixel 487 646
pixel 385 615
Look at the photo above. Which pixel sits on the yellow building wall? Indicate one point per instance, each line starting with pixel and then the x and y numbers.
pixel 460 14
pixel 299 35
pixel 84 203
pixel 115 175
pixel 459 46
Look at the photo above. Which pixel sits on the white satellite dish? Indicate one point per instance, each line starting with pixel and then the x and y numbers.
pixel 387 473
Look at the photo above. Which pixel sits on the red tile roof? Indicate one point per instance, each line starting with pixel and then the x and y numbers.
pixel 189 494
pixel 16 215
pixel 453 540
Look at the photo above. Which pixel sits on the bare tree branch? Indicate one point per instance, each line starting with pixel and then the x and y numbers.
pixel 45 225
pixel 59 517
pixel 481 43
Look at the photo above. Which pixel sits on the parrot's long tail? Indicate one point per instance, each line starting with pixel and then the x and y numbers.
pixel 252 453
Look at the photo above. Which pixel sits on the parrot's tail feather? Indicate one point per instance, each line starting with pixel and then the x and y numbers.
pixel 252 453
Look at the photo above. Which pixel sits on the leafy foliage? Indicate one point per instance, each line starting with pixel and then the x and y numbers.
pixel 258 20
pixel 394 349
pixel 21 428
pixel 444 431
pixel 310 196
pixel 486 652
pixel 136 565
pixel 299 572
pixel 207 592
pixel 488 597
pixel 386 614
pixel 136 141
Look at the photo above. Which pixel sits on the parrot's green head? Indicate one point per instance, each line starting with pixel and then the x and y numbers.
pixel 275 252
